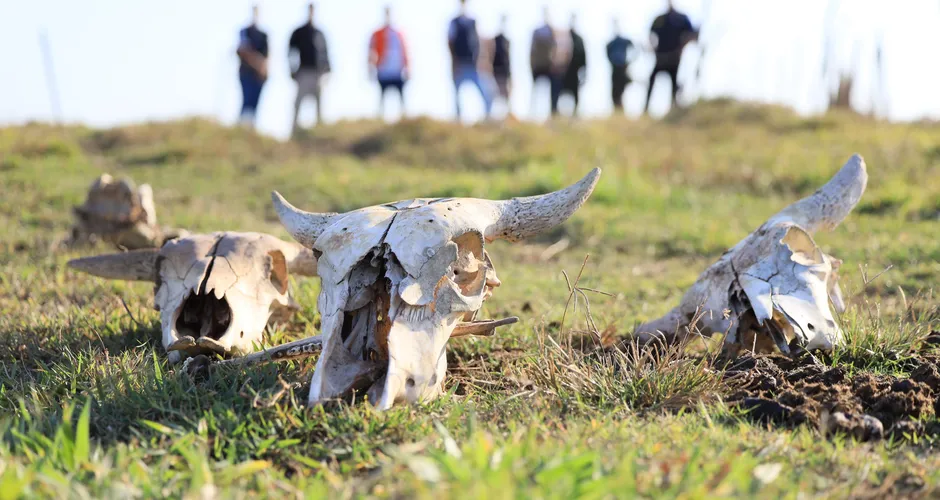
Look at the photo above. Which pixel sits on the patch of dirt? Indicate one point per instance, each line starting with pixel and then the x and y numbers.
pixel 789 392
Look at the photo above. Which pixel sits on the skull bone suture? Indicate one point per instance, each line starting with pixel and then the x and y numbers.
pixel 398 280
pixel 215 292
pixel 774 288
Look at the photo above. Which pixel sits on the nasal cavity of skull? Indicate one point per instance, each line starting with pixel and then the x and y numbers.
pixel 204 315
pixel 277 271
pixel 469 268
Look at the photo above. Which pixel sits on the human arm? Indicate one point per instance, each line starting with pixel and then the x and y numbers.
pixel 293 55
pixel 689 33
pixel 373 55
pixel 324 53
pixel 406 63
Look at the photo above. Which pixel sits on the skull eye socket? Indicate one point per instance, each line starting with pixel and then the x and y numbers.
pixel 277 271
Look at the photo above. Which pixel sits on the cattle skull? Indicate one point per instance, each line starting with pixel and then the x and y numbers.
pixel 774 287
pixel 215 292
pixel 120 213
pixel 398 280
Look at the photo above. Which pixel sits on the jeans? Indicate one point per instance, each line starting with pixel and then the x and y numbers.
pixel 468 72
pixel 251 94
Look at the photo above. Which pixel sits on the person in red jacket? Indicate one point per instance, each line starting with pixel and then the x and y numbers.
pixel 388 61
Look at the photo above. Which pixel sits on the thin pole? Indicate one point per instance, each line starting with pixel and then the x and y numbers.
pixel 51 84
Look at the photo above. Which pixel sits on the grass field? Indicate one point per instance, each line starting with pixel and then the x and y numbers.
pixel 90 408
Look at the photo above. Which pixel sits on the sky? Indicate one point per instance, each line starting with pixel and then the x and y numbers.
pixel 124 61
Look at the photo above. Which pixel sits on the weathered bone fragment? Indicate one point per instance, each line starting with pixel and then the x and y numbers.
pixel 398 280
pixel 311 346
pixel 774 287
pixel 215 292
pixel 119 213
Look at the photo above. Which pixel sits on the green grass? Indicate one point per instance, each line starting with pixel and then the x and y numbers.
pixel 89 407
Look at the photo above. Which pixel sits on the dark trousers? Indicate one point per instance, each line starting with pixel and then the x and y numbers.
pixel 251 94
pixel 555 84
pixel 567 85
pixel 618 84
pixel 665 63
pixel 397 84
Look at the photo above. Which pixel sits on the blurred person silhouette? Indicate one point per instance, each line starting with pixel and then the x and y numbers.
pixel 309 62
pixel 669 34
pixel 253 70
pixel 502 68
pixel 463 41
pixel 561 61
pixel 388 61
pixel 576 68
pixel 541 58
pixel 619 51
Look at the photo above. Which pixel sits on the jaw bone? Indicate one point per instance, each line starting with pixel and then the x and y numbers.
pixel 215 292
pixel 776 283
pixel 399 280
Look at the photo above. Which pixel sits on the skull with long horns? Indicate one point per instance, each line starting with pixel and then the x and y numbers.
pixel 774 288
pixel 398 280
pixel 215 292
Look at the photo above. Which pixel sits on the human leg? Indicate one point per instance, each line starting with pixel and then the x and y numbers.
pixel 674 80
pixel 618 85
pixel 556 88
pixel 649 88
pixel 485 92
pixel 251 94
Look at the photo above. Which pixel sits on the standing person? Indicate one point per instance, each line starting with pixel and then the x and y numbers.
pixel 464 44
pixel 618 53
pixel 669 34
pixel 502 71
pixel 388 61
pixel 253 71
pixel 309 62
pixel 576 69
pixel 541 55
pixel 561 60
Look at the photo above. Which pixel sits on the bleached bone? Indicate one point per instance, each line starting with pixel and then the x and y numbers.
pixel 776 284
pixel 215 292
pixel 311 346
pixel 398 280
pixel 120 213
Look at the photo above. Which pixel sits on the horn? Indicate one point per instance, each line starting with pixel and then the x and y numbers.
pixel 137 265
pixel 520 218
pixel 305 227
pixel 830 204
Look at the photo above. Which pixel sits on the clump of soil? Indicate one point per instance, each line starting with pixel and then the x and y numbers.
pixel 790 392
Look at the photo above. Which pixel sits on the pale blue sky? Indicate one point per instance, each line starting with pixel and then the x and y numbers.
pixel 120 61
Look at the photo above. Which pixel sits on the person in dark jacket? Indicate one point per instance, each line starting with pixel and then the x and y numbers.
pixel 619 51
pixel 542 54
pixel 502 69
pixel 463 41
pixel 253 70
pixel 309 62
pixel 670 33
pixel 574 75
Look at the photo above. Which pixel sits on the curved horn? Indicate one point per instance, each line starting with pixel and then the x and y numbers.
pixel 305 227
pixel 137 265
pixel 830 204
pixel 520 218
